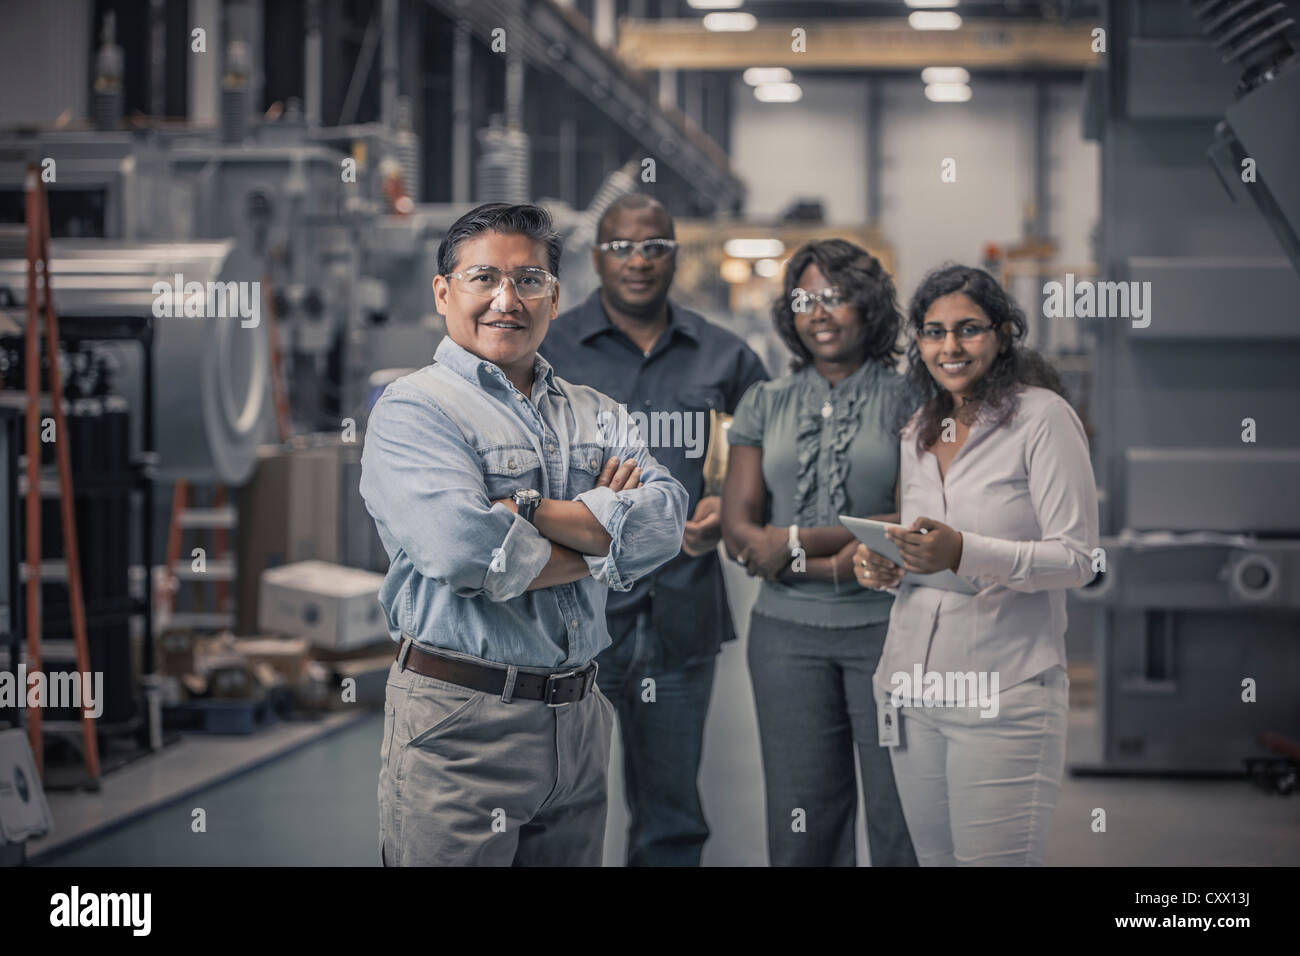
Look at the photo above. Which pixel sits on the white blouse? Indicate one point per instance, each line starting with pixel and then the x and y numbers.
pixel 1024 498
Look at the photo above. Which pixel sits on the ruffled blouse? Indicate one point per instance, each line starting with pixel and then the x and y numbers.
pixel 826 452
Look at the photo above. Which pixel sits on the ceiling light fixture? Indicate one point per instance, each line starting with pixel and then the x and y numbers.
pixel 934 20
pixel 947 93
pixel 778 93
pixel 944 74
pixel 757 75
pixel 730 22
pixel 753 248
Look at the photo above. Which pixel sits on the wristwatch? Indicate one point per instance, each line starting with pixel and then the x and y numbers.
pixel 526 502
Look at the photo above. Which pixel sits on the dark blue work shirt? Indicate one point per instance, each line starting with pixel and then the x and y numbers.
pixel 694 367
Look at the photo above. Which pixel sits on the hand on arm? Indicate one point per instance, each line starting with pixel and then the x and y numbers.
pixel 835 567
pixel 763 549
pixel 645 518
pixel 828 541
pixel 824 542
pixel 571 524
pixel 564 567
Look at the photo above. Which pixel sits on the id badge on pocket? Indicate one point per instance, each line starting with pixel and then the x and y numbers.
pixel 887 723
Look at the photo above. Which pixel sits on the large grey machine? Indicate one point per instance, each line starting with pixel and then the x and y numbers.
pixel 326 221
pixel 1197 618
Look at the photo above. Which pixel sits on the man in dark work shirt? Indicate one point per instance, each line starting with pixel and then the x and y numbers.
pixel 669 367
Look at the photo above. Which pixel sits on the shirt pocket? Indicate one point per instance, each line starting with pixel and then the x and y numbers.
pixel 586 459
pixel 507 468
pixel 701 398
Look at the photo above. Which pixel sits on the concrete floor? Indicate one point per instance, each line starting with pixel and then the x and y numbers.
pixel 310 800
pixel 315 806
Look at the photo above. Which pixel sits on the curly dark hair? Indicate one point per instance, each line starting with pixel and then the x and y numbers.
pixel 997 394
pixel 862 280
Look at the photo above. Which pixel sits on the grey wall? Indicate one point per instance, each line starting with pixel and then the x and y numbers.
pixel 817 148
pixel 811 149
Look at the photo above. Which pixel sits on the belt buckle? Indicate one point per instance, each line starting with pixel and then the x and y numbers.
pixel 549 688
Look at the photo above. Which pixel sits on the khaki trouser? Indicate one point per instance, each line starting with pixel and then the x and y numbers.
pixel 980 791
pixel 466 779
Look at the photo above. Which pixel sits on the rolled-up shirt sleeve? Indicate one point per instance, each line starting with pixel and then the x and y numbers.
pixel 423 484
pixel 1064 497
pixel 645 525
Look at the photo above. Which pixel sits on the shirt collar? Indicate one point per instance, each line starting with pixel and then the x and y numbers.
pixel 482 372
pixel 855 380
pixel 591 320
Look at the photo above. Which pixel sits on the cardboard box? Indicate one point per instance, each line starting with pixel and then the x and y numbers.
pixel 370 676
pixel 328 604
pixel 286 656
pixel 289 511
pixel 175 652
pixel 329 656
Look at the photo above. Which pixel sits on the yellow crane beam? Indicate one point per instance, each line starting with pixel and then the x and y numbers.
pixel 881 44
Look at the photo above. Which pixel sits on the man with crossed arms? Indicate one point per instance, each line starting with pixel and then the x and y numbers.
pixel 506 517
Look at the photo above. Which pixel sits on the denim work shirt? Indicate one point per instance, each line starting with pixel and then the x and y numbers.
pixel 446 441
pixel 693 368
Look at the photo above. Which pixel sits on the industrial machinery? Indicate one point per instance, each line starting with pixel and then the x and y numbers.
pixel 1197 616
pixel 219 246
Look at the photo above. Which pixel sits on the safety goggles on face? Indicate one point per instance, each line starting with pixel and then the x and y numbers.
pixel 485 281
pixel 649 249
pixel 964 333
pixel 805 300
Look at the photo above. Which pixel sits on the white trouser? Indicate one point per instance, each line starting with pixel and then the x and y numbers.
pixel 980 791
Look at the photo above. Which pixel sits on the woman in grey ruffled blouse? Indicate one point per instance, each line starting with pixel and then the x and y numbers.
pixel 805 449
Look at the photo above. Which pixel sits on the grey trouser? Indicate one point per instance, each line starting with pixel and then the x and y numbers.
pixel 812 691
pixel 468 779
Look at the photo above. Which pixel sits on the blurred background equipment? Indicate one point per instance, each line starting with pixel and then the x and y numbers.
pixel 1199 608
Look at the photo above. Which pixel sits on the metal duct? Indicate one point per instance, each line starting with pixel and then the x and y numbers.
pixel 211 373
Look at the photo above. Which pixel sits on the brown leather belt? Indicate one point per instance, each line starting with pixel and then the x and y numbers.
pixel 558 689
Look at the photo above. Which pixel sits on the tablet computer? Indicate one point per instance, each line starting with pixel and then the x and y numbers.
pixel 872 534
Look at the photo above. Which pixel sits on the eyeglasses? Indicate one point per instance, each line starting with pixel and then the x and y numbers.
pixel 485 281
pixel 805 300
pixel 964 333
pixel 649 249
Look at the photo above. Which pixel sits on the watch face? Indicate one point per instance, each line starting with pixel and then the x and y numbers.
pixel 528 494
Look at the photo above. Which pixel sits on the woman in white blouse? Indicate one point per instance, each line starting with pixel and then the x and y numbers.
pixel 995 484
